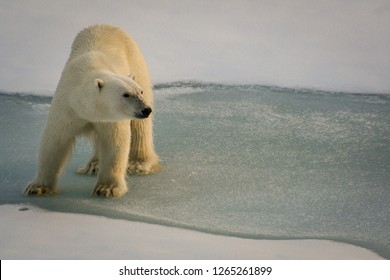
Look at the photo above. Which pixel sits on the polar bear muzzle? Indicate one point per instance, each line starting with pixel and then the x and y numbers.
pixel 144 113
pixel 141 109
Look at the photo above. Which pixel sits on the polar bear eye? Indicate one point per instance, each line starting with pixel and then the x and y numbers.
pixel 126 95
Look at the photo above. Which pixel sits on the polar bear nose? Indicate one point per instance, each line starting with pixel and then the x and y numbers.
pixel 146 112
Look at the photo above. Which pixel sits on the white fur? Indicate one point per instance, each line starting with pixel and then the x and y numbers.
pixel 103 91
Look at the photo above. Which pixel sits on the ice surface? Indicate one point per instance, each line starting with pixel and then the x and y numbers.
pixel 246 161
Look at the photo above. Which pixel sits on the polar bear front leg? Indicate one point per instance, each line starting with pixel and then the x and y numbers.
pixel 142 158
pixel 35 188
pixel 55 149
pixel 113 142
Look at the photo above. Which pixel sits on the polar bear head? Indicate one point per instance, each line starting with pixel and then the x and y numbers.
pixel 108 96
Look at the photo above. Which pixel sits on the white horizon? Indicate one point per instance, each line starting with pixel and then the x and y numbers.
pixel 329 45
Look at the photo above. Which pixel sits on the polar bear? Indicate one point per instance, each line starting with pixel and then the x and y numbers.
pixel 105 93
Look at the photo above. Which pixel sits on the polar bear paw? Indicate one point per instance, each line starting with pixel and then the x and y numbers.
pixel 38 190
pixel 91 168
pixel 142 167
pixel 133 168
pixel 109 190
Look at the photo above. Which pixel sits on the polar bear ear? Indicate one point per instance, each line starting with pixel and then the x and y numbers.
pixel 131 76
pixel 99 83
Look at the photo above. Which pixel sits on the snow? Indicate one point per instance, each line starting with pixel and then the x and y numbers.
pixel 28 232
pixel 333 45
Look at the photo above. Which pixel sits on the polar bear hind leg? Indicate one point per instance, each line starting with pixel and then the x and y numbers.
pixel 92 166
pixel 142 157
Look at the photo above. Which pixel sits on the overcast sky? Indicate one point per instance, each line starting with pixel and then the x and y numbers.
pixel 327 44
